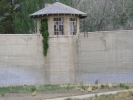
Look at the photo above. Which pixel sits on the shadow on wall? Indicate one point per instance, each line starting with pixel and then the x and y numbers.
pixel 107 78
pixel 16 76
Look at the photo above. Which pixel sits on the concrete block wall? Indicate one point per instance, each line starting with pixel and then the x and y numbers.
pixel 21 60
pixel 105 56
pixel 60 67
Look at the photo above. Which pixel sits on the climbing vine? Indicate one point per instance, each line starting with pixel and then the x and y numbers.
pixel 45 36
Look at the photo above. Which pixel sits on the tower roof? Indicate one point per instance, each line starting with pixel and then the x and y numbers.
pixel 60 9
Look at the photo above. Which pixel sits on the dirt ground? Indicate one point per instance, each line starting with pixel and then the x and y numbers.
pixel 40 95
pixel 49 94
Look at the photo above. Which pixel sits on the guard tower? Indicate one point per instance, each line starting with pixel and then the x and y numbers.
pixel 62 19
pixel 63 26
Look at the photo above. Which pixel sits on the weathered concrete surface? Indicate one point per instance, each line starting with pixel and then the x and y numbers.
pixel 105 56
pixel 22 61
pixel 60 60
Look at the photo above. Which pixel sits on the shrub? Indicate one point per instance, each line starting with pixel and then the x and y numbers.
pixel 96 82
pixel 68 99
pixel 102 86
pixel 126 87
pixel 83 87
pixel 33 89
pixel 94 87
pixel 122 85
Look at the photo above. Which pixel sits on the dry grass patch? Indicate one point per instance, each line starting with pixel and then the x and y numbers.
pixel 75 89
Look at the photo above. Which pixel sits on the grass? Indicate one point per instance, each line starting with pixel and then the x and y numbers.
pixel 122 85
pixel 39 88
pixel 94 87
pixel 43 88
pixel 119 96
pixel 83 87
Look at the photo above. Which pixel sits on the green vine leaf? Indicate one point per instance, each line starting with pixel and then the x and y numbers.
pixel 45 36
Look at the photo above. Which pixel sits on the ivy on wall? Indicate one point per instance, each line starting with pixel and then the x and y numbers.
pixel 45 36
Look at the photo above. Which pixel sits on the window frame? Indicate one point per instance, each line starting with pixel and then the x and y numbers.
pixel 73 26
pixel 59 26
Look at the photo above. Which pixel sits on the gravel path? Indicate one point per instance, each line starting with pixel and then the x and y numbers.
pixel 91 95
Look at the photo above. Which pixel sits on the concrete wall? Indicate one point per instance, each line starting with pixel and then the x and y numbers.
pixel 105 56
pixel 22 61
pixel 59 63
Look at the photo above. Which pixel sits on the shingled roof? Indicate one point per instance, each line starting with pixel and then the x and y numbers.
pixel 60 9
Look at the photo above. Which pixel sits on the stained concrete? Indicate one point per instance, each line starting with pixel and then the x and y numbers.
pixel 85 58
pixel 105 56
pixel 22 60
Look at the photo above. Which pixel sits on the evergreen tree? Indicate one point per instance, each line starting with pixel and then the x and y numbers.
pixel 26 25
pixel 7 9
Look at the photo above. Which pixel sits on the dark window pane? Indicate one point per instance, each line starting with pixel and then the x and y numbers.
pixel 58 26
pixel 54 26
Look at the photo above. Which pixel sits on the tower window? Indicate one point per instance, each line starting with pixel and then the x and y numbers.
pixel 73 24
pixel 58 26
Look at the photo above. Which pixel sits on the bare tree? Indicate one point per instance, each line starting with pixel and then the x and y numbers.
pixel 106 15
